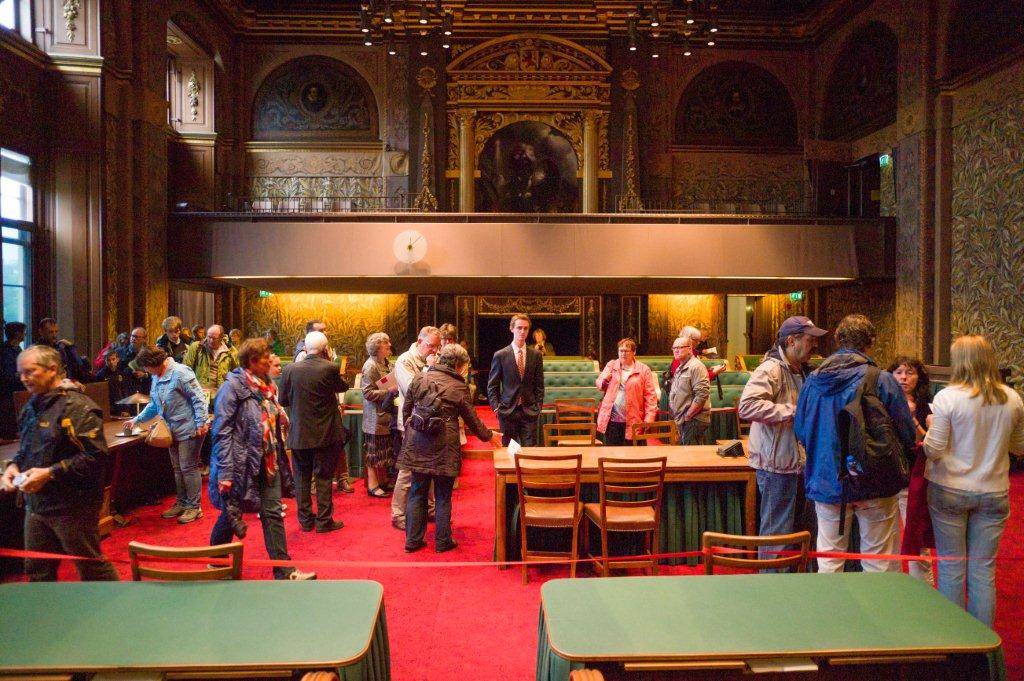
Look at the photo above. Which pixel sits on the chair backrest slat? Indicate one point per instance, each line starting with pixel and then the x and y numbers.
pixel 139 550
pixel 631 476
pixel 582 434
pixel 745 544
pixel 664 432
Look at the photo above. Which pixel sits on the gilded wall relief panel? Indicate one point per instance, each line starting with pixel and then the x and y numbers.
pixel 774 182
pixel 350 318
pixel 465 319
pixel 311 162
pixel 499 306
pixel 629 318
pixel 668 313
pixel 426 311
pixel 988 231
pixel 529 55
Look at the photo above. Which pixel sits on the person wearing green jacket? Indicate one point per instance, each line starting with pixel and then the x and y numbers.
pixel 211 359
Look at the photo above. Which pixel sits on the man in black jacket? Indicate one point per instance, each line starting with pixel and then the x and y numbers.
pixel 515 387
pixel 310 390
pixel 59 467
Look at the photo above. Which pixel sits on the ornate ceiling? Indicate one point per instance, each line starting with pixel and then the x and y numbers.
pixel 751 23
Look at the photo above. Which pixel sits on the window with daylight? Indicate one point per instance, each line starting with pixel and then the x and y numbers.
pixel 17 16
pixel 17 225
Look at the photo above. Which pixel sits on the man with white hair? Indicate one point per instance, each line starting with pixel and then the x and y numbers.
pixel 309 390
pixel 59 468
pixel 408 365
pixel 211 359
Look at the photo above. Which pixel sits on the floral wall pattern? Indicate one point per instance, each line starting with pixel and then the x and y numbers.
pixel 988 218
pixel 350 318
pixel 774 183
pixel 668 313
pixel 877 300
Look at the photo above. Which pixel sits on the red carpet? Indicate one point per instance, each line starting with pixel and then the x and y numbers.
pixel 478 623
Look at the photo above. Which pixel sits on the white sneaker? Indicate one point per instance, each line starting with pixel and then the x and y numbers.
pixel 299 575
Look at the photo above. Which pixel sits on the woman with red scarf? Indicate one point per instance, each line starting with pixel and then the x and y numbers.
pixel 248 467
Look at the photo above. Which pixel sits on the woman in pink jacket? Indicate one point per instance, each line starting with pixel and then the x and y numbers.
pixel 630 395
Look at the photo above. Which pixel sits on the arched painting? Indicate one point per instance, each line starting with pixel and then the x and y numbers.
pixel 528 167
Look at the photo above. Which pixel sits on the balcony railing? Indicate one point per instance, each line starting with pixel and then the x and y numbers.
pixel 322 204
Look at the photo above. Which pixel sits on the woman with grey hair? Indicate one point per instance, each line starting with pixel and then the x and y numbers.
pixel 378 414
pixel 431 451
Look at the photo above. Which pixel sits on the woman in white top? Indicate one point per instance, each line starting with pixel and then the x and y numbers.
pixel 976 422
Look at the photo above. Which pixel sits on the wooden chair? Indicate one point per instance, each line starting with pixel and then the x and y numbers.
pixel 579 410
pixel 191 572
pixel 558 505
pixel 570 434
pixel 319 676
pixel 711 540
pixel 664 432
pixel 630 501
pixel 586 675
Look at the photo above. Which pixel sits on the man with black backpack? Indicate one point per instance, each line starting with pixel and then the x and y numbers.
pixel 856 428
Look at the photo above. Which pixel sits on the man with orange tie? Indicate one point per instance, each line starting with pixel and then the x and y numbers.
pixel 515 388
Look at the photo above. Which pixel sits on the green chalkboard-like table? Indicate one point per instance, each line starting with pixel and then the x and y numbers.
pixel 848 625
pixel 159 627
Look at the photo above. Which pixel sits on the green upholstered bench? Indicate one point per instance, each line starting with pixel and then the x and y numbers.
pixel 657 363
pixel 564 365
pixel 552 394
pixel 354 398
pixel 733 378
pixel 570 379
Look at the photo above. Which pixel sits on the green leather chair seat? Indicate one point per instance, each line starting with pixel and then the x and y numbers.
pixel 750 362
pixel 354 397
pixel 734 378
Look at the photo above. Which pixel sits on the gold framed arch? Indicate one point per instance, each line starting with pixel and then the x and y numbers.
pixel 528 77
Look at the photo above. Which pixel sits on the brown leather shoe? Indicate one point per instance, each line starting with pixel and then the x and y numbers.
pixel 345 485
pixel 335 525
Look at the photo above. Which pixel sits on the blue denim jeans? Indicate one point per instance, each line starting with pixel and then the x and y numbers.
pixel 779 492
pixel 272 520
pixel 188 479
pixel 968 524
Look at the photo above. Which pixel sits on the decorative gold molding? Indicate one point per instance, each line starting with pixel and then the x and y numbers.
pixel 426 201
pixel 498 306
pixel 630 200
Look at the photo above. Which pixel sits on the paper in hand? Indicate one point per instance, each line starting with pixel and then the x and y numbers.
pixel 513 448
pixel 388 382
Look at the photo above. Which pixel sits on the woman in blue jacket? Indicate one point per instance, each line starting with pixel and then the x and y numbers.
pixel 248 467
pixel 176 396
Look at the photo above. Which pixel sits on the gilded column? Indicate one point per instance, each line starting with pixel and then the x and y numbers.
pixel 591 162
pixel 467 160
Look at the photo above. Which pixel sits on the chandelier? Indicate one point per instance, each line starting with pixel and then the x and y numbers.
pixel 379 20
pixel 686 23
pixel 650 27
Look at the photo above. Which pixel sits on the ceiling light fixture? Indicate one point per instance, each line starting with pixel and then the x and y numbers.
pixel 389 17
pixel 364 20
pixel 424 14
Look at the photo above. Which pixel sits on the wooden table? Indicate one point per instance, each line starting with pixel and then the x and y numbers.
pixel 685 464
pixel 627 626
pixel 161 627
pixel 116 446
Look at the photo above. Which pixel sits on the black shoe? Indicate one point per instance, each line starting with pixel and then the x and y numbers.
pixel 444 548
pixel 431 518
pixel 412 548
pixel 305 528
pixel 335 525
pixel 398 524
pixel 377 492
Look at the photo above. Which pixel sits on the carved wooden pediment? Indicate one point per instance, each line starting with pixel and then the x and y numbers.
pixel 528 56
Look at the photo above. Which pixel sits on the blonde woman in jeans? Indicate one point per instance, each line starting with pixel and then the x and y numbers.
pixel 976 422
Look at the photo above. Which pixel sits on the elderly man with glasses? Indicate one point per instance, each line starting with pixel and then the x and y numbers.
pixel 689 393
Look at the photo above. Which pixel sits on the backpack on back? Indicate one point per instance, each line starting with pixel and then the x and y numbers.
pixel 427 416
pixel 872 463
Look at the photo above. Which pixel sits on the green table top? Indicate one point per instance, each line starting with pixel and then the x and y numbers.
pixel 180 626
pixel 750 616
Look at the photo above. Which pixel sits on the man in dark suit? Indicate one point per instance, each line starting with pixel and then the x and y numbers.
pixel 310 390
pixel 515 387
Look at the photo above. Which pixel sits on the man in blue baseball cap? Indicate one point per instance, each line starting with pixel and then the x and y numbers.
pixel 769 403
